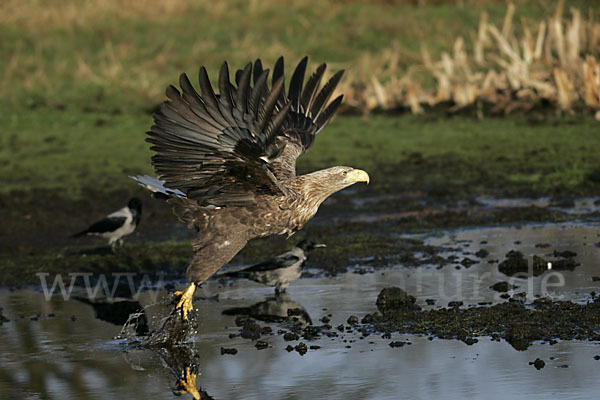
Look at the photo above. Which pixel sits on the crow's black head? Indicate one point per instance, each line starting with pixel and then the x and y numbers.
pixel 135 204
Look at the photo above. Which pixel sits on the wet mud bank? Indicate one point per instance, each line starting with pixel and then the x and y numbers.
pixel 357 229
pixel 517 322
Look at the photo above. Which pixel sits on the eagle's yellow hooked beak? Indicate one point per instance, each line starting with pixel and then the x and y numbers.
pixel 357 175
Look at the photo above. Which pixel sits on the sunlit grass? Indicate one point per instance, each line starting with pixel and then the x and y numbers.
pixel 80 78
pixel 128 51
pixel 80 148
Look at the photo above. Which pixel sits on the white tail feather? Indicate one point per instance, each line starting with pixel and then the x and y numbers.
pixel 156 185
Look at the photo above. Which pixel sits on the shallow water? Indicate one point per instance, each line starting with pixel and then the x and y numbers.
pixel 535 239
pixel 67 353
pixel 580 206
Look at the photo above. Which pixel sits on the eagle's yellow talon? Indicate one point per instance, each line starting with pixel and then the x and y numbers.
pixel 189 384
pixel 185 302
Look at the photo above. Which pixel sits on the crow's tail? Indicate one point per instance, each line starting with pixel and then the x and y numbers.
pixel 80 234
pixel 236 274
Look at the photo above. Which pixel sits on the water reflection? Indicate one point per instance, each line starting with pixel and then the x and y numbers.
pixel 60 350
pixel 279 308
pixel 119 312
pixel 182 363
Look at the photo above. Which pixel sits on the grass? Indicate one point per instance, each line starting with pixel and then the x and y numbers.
pixel 487 155
pixel 82 147
pixel 81 77
pixel 70 51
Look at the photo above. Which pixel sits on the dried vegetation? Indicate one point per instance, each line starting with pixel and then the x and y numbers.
pixel 550 64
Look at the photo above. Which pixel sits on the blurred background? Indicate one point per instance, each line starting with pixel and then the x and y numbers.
pixel 80 78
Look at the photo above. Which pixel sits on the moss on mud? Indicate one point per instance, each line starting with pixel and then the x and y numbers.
pixel 518 323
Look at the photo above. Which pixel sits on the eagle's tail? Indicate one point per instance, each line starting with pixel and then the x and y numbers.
pixel 157 186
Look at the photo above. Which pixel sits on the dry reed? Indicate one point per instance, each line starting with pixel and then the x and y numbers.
pixel 552 64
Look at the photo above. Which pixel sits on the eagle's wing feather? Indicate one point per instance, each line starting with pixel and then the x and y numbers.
pixel 308 115
pixel 217 149
pixel 226 149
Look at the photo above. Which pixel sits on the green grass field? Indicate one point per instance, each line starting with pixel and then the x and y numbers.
pixel 80 78
pixel 74 149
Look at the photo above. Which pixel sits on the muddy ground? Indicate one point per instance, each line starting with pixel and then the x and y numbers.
pixel 362 225
pixel 359 223
pixel 516 321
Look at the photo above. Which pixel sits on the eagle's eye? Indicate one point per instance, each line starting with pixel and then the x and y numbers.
pixel 344 173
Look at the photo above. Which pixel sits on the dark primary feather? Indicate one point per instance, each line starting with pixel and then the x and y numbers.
pixel 105 225
pixel 296 84
pixel 306 117
pixel 229 148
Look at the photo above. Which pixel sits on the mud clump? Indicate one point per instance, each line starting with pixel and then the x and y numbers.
pixel 261 344
pixel 301 348
pixel 482 253
pixel 516 263
pixel 518 323
pixel 538 363
pixel 565 254
pixel 232 351
pixel 565 264
pixel 467 262
pixel 394 299
pixel 251 330
pixel 289 336
pixel 502 287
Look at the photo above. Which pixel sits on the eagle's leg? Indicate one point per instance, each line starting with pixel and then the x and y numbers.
pixel 188 385
pixel 185 301
pixel 113 247
pixel 207 259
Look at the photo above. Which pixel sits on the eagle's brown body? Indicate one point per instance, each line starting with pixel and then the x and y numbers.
pixel 229 160
pixel 224 231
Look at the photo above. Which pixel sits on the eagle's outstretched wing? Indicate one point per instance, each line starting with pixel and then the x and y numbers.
pixel 228 148
pixel 308 114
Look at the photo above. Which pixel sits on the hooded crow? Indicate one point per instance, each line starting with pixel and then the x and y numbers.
pixel 281 270
pixel 117 225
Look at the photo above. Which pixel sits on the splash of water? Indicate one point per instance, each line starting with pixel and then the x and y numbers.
pixel 171 329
